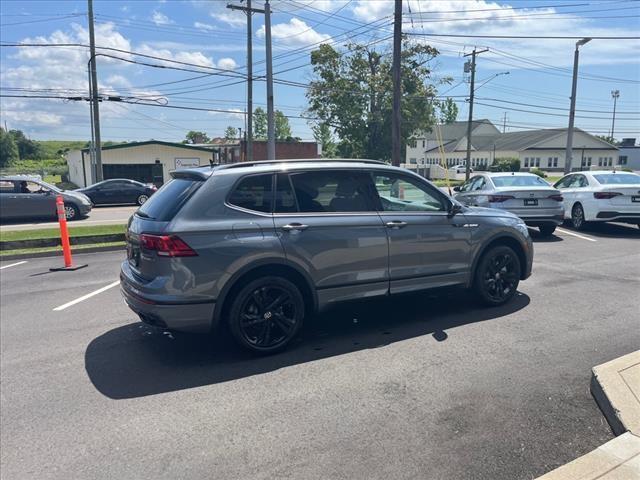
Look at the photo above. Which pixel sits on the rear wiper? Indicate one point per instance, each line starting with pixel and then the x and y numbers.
pixel 144 215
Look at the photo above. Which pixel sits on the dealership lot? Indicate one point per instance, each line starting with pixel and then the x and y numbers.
pixel 423 386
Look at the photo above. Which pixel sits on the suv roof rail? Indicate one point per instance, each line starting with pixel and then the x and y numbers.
pixel 297 160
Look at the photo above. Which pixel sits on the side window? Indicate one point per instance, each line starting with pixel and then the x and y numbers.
pixel 31 187
pixel 582 181
pixel 7 187
pixel 254 193
pixel 565 182
pixel 399 193
pixel 467 185
pixel 333 191
pixel 285 199
pixel 478 184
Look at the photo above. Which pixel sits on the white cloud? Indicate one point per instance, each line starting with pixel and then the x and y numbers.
pixel 33 117
pixel 294 33
pixel 232 18
pixel 238 114
pixel 160 18
pixel 203 26
pixel 227 63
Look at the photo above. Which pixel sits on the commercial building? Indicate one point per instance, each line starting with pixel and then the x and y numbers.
pixel 629 156
pixel 543 149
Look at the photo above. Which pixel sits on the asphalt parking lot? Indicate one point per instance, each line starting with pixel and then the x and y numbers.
pixel 423 386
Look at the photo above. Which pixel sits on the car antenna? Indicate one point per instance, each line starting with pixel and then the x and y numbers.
pixel 211 163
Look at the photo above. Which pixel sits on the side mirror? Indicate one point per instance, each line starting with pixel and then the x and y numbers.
pixel 456 188
pixel 454 209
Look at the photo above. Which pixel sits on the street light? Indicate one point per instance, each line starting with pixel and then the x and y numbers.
pixel 572 112
pixel 490 78
pixel 615 94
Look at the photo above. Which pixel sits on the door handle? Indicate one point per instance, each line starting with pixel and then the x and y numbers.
pixel 397 224
pixel 294 226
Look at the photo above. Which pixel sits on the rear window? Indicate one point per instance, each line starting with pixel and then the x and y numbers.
pixel 165 203
pixel 519 181
pixel 618 179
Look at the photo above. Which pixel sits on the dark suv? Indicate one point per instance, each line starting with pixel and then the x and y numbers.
pixel 262 245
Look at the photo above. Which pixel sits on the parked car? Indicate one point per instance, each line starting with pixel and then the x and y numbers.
pixel 118 191
pixel 526 195
pixel 262 245
pixel 601 196
pixel 462 169
pixel 30 197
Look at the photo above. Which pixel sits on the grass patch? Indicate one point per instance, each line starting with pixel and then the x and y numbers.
pixel 75 249
pixel 443 183
pixel 55 232
pixel 553 180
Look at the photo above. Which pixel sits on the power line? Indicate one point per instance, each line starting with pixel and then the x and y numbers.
pixel 534 37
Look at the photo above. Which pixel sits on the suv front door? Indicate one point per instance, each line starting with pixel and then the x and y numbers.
pixel 427 246
pixel 328 224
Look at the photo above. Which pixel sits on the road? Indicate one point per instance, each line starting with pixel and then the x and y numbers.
pixel 97 216
pixel 423 386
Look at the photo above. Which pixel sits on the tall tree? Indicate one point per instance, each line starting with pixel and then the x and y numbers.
pixel 283 129
pixel 448 111
pixel 322 134
pixel 197 137
pixel 8 148
pixel 353 91
pixel 27 149
pixel 231 133
pixel 259 124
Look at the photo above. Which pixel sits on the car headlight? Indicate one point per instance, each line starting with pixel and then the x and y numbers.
pixel 522 228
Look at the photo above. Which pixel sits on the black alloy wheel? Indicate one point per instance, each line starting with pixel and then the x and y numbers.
pixel 547 230
pixel 267 314
pixel 142 199
pixel 497 276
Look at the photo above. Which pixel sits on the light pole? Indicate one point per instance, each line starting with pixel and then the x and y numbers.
pixel 572 111
pixel 615 94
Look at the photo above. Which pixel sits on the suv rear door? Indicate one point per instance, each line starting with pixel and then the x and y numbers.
pixel 327 223
pixel 427 247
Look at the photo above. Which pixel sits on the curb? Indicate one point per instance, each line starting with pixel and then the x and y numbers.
pixel 56 253
pixel 54 242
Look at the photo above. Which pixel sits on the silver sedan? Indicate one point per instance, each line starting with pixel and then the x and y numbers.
pixel 525 194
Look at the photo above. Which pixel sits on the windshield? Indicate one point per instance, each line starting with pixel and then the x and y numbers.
pixel 519 181
pixel 618 179
pixel 53 188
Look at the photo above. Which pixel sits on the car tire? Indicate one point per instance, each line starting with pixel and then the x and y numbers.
pixel 142 199
pixel 577 217
pixel 71 212
pixel 266 314
pixel 497 276
pixel 547 230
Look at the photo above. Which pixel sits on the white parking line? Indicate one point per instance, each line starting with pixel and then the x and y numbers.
pixel 84 297
pixel 13 264
pixel 567 232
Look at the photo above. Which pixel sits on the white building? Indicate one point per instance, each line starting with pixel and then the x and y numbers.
pixel 629 156
pixel 147 162
pixel 544 149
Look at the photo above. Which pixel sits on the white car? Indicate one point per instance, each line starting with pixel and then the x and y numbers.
pixel 461 169
pixel 600 196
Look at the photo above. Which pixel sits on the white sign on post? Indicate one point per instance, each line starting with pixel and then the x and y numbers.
pixel 187 163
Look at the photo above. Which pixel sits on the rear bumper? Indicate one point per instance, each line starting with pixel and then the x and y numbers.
pixel 610 216
pixel 185 316
pixel 539 221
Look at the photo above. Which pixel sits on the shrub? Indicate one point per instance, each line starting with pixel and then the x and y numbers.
pixel 505 164
pixel 537 171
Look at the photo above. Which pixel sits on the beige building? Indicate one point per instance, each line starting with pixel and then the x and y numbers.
pixel 543 149
pixel 147 162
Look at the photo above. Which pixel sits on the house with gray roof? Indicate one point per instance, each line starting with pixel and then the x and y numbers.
pixel 543 149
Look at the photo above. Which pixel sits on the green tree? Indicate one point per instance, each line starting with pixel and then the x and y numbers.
pixel 448 111
pixel 259 124
pixel 353 91
pixel 8 148
pixel 196 137
pixel 27 149
pixel 607 138
pixel 283 129
pixel 231 133
pixel 322 134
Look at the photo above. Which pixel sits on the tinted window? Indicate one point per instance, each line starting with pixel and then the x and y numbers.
pixel 254 193
pixel 333 191
pixel 519 181
pixel 404 194
pixel 285 199
pixel 166 202
pixel 7 187
pixel 618 179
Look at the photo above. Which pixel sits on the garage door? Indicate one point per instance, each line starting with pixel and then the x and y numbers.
pixel 142 172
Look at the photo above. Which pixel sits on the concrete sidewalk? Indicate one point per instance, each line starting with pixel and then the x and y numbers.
pixel 616 387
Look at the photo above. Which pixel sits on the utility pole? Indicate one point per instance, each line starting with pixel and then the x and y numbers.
pixel 271 126
pixel 472 69
pixel 94 97
pixel 504 123
pixel 572 111
pixel 396 115
pixel 615 94
pixel 249 130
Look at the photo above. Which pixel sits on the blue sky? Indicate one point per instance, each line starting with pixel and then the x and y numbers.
pixel 535 93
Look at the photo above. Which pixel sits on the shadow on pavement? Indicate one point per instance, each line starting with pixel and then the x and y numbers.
pixel 537 237
pixel 136 360
pixel 609 230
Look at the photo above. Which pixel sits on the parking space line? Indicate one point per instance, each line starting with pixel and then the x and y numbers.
pixel 13 264
pixel 575 235
pixel 84 297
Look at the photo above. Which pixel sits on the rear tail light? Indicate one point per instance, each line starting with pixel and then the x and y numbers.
pixel 605 195
pixel 500 198
pixel 556 197
pixel 167 245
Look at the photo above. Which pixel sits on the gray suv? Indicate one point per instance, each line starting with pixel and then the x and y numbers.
pixel 263 245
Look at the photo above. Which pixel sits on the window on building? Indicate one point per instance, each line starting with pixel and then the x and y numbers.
pixel 549 162
pixel 622 160
pixel 611 161
pixel 537 161
pixel 422 143
pixel 589 161
pixel 526 161
pixel 555 161
pixel 413 161
pixel 599 161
